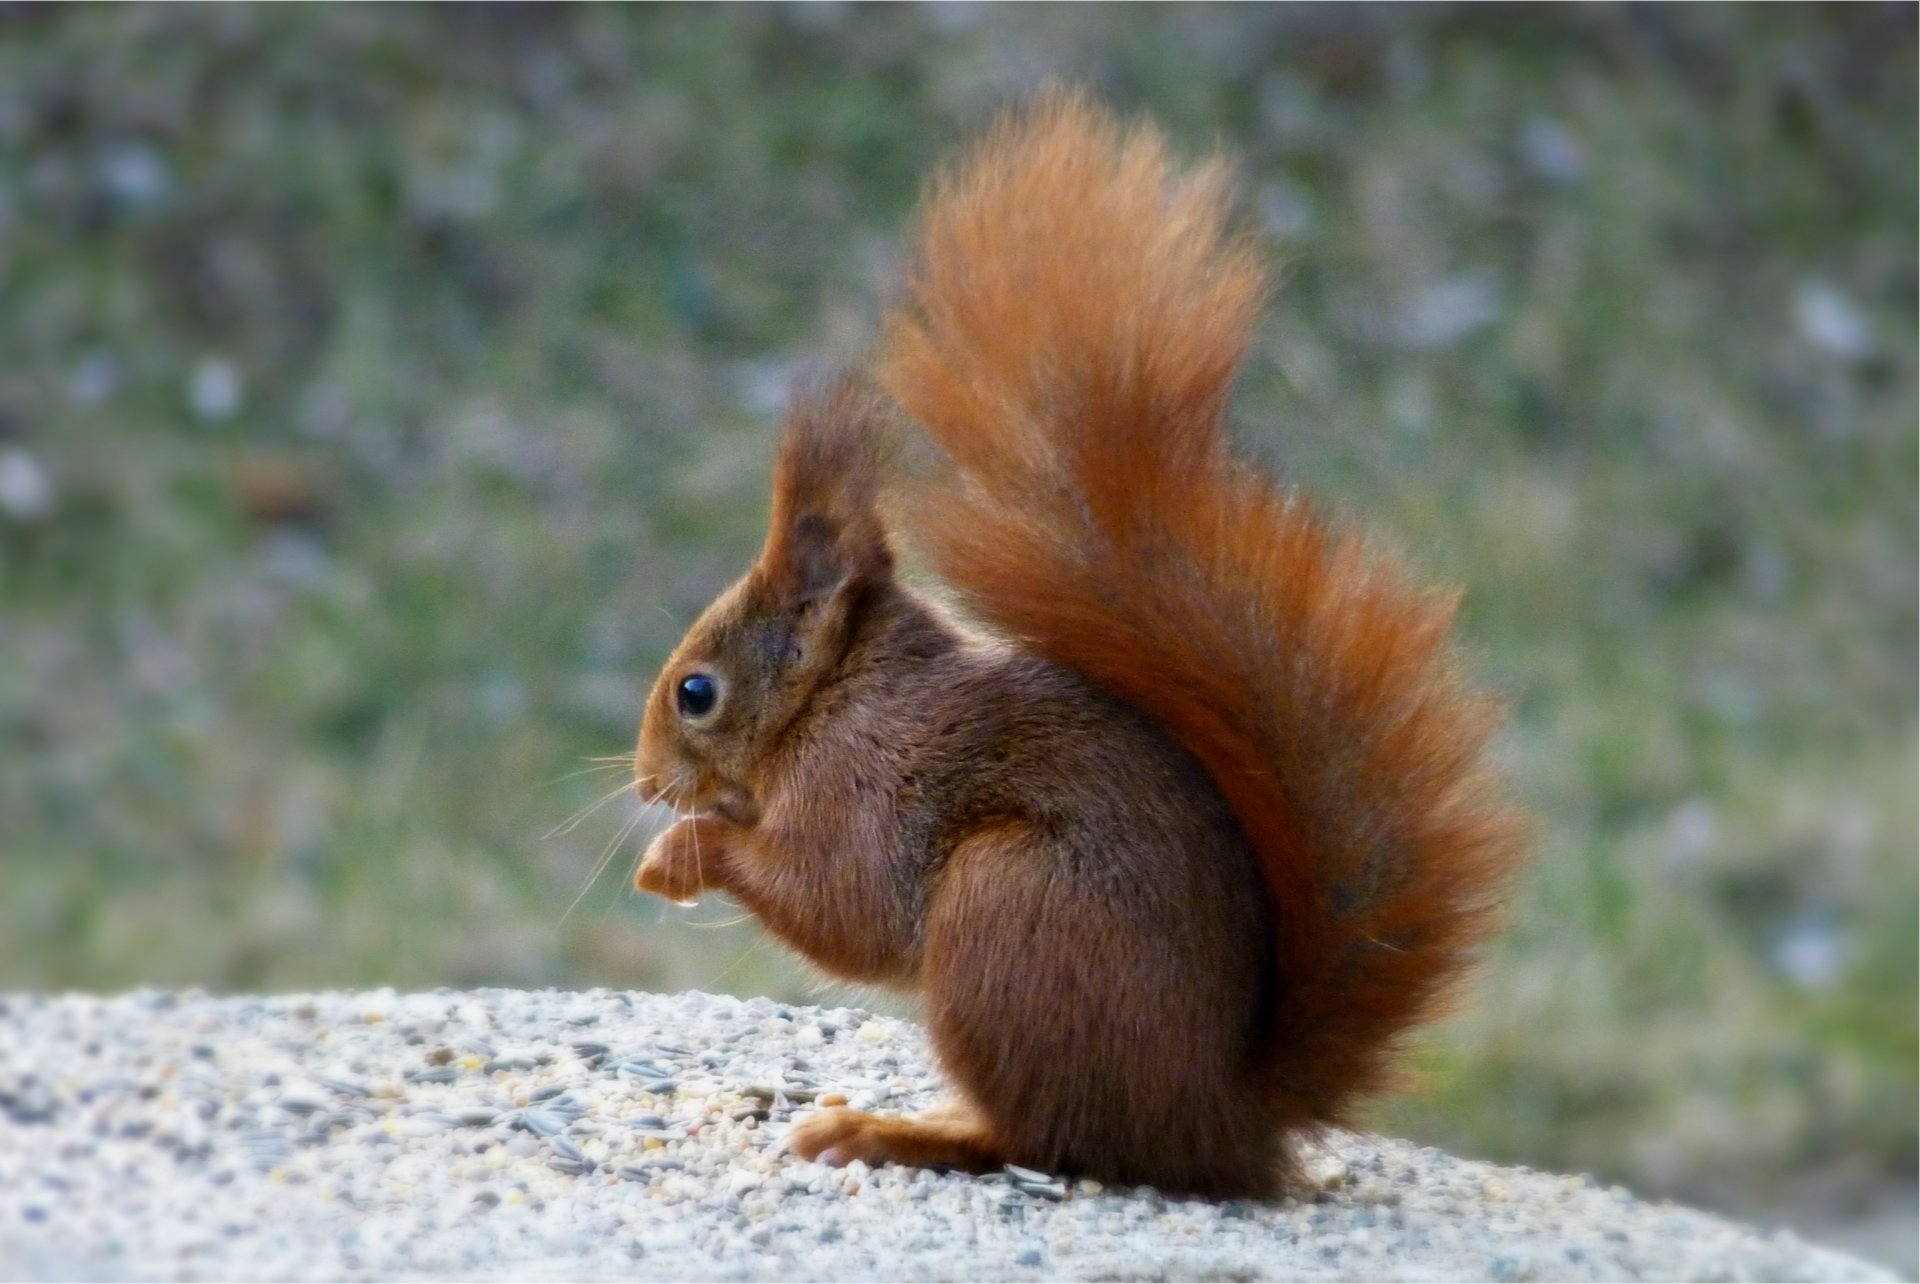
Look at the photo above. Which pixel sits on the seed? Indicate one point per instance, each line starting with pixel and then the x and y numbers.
pixel 427 1124
pixel 772 1095
pixel 543 1122
pixel 637 1068
pixel 521 1064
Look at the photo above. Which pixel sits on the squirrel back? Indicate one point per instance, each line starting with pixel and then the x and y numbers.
pixel 1074 318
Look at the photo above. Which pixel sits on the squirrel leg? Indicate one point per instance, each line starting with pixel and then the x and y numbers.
pixel 1098 1033
pixel 949 1137
pixel 687 859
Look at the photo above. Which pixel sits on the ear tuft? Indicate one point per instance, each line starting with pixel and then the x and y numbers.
pixel 826 532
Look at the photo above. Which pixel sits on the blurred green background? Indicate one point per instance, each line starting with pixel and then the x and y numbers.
pixel 382 388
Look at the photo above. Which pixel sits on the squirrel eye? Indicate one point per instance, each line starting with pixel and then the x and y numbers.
pixel 697 694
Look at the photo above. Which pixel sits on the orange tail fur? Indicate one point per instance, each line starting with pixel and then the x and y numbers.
pixel 1074 318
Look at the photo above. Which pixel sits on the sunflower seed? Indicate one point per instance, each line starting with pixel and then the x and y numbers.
pixel 641 1069
pixel 1052 1190
pixel 543 1122
pixel 662 1134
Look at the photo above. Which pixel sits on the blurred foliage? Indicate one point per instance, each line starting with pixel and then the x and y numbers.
pixel 381 389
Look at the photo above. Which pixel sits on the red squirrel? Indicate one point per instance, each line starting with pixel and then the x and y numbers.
pixel 1190 822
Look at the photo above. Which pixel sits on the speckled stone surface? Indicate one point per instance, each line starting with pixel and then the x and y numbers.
pixel 516 1135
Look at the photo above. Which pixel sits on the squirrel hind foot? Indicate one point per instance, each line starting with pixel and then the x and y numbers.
pixel 937 1139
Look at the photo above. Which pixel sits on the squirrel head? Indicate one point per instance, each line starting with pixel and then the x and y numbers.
pixel 755 656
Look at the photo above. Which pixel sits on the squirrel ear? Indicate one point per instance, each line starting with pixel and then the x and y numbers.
pixel 826 532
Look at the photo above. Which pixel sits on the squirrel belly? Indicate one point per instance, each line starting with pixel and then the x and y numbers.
pixel 1180 857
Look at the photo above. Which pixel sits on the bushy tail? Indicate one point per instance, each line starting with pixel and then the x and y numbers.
pixel 1073 321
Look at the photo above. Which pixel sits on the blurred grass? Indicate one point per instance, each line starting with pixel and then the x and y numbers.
pixel 381 389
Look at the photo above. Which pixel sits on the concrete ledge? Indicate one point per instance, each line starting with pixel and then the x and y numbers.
pixel 517 1135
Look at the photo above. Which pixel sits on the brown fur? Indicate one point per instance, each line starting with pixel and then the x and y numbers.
pixel 1172 873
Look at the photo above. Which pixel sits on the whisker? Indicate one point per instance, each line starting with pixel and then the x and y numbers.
pixel 658 800
pixel 606 858
pixel 755 946
pixel 735 921
pixel 699 870
pixel 572 822
pixel 588 771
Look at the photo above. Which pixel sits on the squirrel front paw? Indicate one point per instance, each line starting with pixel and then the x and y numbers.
pixel 681 863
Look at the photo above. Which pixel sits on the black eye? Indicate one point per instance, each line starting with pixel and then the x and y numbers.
pixel 697 694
